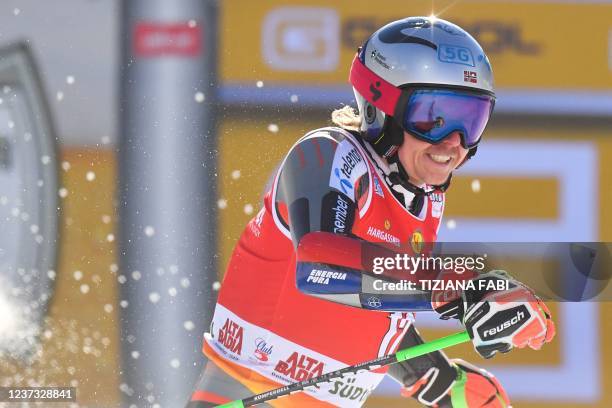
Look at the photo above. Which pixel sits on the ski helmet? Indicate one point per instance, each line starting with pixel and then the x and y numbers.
pixel 423 75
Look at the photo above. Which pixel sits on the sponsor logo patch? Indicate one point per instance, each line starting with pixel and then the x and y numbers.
pixel 470 76
pixel 374 302
pixel 299 367
pixel 349 161
pixel 262 350
pixel 340 214
pixel 383 235
pixel 517 319
pixel 230 336
pixel 416 241
pixel 348 166
pixel 345 184
pixel 377 188
pixel 322 277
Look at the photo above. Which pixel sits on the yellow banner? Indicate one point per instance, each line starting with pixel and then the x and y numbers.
pixel 530 45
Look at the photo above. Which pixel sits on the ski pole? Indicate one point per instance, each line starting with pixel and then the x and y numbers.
pixel 401 355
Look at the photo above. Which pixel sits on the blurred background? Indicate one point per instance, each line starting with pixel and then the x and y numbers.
pixel 136 138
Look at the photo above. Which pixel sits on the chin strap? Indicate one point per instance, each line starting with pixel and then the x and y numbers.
pixel 390 139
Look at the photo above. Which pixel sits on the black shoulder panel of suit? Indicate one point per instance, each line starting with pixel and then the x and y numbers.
pixel 307 189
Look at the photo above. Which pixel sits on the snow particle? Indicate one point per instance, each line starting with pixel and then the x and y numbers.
pixel 273 127
pixel 191 23
pixel 135 354
pixel 294 98
pixel 59 96
pixel 126 389
pixel 175 363
pixel 70 79
pixel 84 288
pixel 216 285
pixel 222 203
pixel 65 165
pixel 173 269
pixel 62 192
pixel 259 84
pixel 121 279
pixel 110 237
pixel 105 140
pixel 34 229
pixel 108 308
pixel 451 224
pixel 149 231
pixel 172 291
pixel 90 176
pixel 11 124
pixel 188 325
pixel 106 219
pixel 16 11
pixel 78 275
pixel 235 174
pixel 4 200
pixel 248 209
pixel 154 297
pixel 136 275
pixel 124 303
pixel 27 136
pixel 51 274
pixel 476 186
pixel 199 97
pixel 185 282
pixel 45 159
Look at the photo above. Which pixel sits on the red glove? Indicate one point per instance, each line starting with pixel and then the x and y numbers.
pixel 473 388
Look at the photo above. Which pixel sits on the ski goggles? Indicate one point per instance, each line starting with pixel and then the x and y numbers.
pixel 429 113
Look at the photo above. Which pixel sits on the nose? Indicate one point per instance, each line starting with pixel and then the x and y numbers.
pixel 453 140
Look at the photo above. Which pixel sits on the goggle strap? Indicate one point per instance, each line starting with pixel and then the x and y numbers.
pixel 376 90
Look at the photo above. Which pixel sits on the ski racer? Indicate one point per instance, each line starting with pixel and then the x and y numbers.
pixel 293 306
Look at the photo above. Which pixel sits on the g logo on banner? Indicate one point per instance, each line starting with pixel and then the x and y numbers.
pixel 301 39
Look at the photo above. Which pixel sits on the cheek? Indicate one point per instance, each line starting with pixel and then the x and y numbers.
pixel 462 155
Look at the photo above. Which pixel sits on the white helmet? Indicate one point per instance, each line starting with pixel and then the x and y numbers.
pixel 427 74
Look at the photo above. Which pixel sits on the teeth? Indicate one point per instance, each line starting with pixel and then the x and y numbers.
pixel 438 158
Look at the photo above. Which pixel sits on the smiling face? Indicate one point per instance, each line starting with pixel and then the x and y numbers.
pixel 431 164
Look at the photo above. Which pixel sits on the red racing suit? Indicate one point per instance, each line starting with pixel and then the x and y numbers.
pixel 271 325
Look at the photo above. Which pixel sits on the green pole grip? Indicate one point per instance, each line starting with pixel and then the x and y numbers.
pixel 233 404
pixel 432 346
